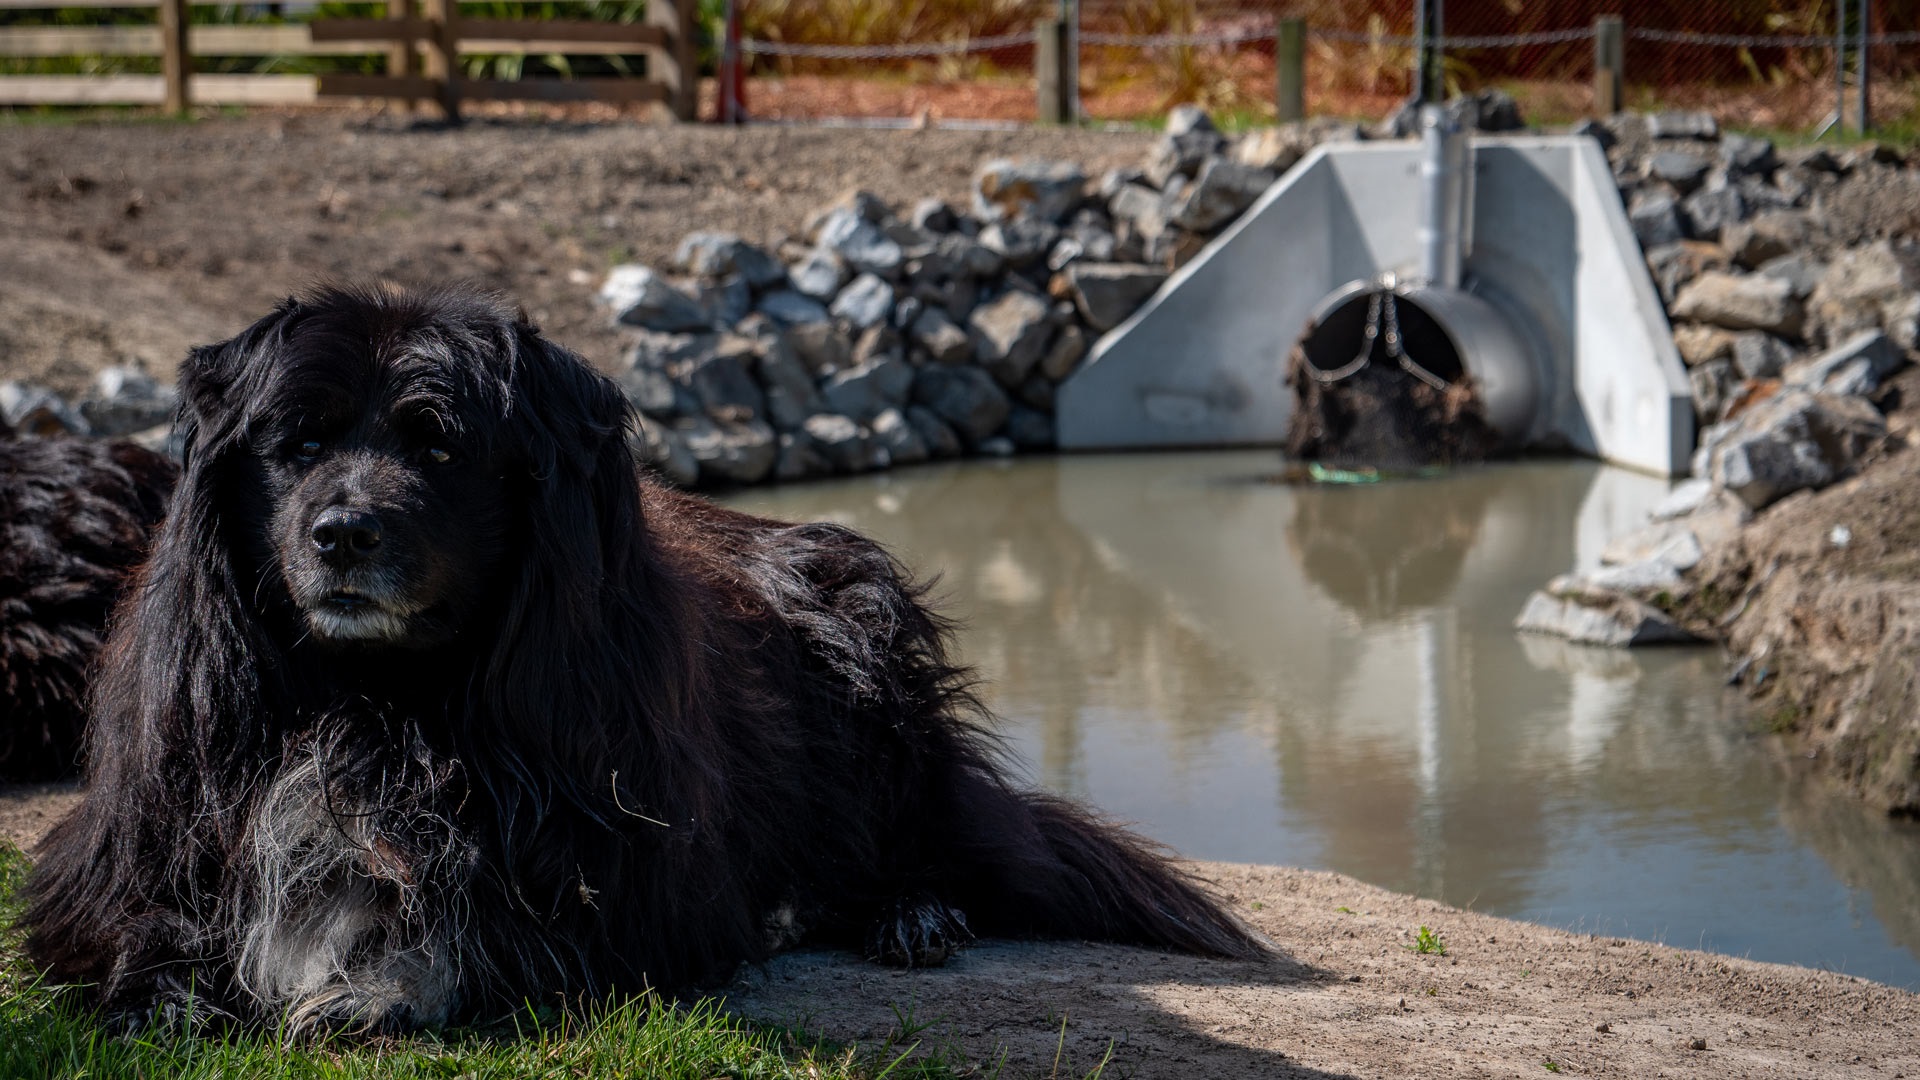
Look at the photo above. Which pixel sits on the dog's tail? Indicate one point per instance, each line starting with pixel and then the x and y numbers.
pixel 1064 873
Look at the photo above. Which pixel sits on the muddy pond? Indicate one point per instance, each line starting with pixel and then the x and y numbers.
pixel 1328 677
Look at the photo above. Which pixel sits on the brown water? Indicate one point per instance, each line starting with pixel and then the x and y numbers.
pixel 1328 677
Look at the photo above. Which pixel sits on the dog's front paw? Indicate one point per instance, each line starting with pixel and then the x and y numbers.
pixel 172 1009
pixel 918 931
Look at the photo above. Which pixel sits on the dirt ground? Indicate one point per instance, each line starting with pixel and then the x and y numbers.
pixel 140 239
pixel 1346 995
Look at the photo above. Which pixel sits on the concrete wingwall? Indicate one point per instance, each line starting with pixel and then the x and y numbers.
pixel 1202 363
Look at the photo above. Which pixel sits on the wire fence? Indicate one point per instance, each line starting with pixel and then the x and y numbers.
pixel 1752 62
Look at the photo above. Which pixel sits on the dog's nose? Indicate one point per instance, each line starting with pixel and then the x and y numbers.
pixel 344 537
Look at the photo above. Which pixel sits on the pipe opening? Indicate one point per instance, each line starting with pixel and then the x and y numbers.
pixel 1334 344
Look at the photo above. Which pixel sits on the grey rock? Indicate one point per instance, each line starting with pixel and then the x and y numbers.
pixel 1681 169
pixel 1675 265
pixel 1862 289
pixel 861 243
pixel 1750 302
pixel 1865 360
pixel 1673 544
pixel 652 393
pixel 790 390
pixel 1037 393
pixel 965 397
pixel 1010 335
pixel 970 257
pixel 1789 442
pixel 30 409
pixel 823 347
pixel 839 440
pixel 126 400
pixel 1030 429
pixel 906 311
pixel 726 301
pixel 1686 497
pixel 1183 119
pixel 866 301
pixel 1069 346
pixel 669 351
pixel 1595 130
pixel 1113 180
pixel 945 341
pixel 1021 242
pixel 820 275
pixel 799 458
pixel 1710 210
pixel 1493 109
pixel 1768 235
pixel 1005 188
pixel 792 308
pixel 933 215
pixel 1713 386
pixel 724 383
pixel 731 452
pixel 1107 293
pixel 1655 217
pixel 939 436
pixel 1275 148
pixel 665 452
pixel 1223 190
pixel 1743 155
pixel 876 344
pixel 1683 125
pixel 897 435
pixel 723 254
pixel 640 297
pixel 1142 207
pixel 1758 355
pixel 1796 269
pixel 866 391
pixel 1592 616
pixel 1181 155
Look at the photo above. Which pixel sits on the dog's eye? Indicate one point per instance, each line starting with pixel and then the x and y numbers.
pixel 307 450
pixel 439 456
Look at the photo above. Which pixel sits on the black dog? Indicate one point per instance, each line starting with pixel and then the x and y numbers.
pixel 75 516
pixel 426 706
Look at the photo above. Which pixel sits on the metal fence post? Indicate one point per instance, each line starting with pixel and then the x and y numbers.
pixel 1863 65
pixel 1609 64
pixel 1070 12
pixel 1049 71
pixel 176 60
pixel 1290 69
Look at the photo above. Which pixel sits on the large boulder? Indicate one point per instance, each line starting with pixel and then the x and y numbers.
pixel 965 397
pixel 1863 289
pixel 1182 154
pixel 867 301
pixel 1592 615
pixel 126 400
pixel 1223 190
pixel 1010 335
pixel 866 391
pixel 863 244
pixel 792 307
pixel 819 274
pixel 664 451
pixel 1855 366
pixel 1069 347
pixel 1792 441
pixel 724 382
pixel 1655 217
pixel 731 452
pixel 652 392
pixel 1107 293
pixel 638 296
pixel 941 337
pixel 1006 188
pixel 1741 302
pixel 790 390
pixel 897 435
pixel 724 254
pixel 839 440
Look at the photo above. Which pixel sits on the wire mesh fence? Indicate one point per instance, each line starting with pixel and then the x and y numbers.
pixel 1753 62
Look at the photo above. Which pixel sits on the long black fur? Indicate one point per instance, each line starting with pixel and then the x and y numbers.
pixel 76 515
pixel 663 738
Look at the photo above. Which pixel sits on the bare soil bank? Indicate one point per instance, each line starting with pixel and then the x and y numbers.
pixel 1818 600
pixel 1348 995
pixel 141 239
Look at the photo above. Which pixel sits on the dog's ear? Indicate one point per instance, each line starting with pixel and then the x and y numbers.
pixel 573 424
pixel 216 379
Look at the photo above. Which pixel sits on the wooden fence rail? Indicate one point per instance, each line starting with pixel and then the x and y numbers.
pixel 422 57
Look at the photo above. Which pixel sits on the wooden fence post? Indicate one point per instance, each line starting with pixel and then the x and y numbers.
pixel 1609 64
pixel 403 57
pixel 443 54
pixel 679 59
pixel 1290 69
pixel 1050 71
pixel 176 61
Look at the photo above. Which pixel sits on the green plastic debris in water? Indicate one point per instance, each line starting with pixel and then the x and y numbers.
pixel 1313 472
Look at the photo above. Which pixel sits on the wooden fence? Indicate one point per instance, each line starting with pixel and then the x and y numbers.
pixel 422 51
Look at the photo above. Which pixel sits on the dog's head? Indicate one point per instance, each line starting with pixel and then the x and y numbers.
pixel 394 459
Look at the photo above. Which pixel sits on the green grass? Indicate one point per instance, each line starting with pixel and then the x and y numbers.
pixel 44 1034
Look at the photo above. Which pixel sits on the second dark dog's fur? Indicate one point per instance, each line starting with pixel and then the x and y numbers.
pixel 75 516
pixel 425 707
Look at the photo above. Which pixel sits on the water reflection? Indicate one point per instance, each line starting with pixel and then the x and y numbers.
pixel 1328 677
